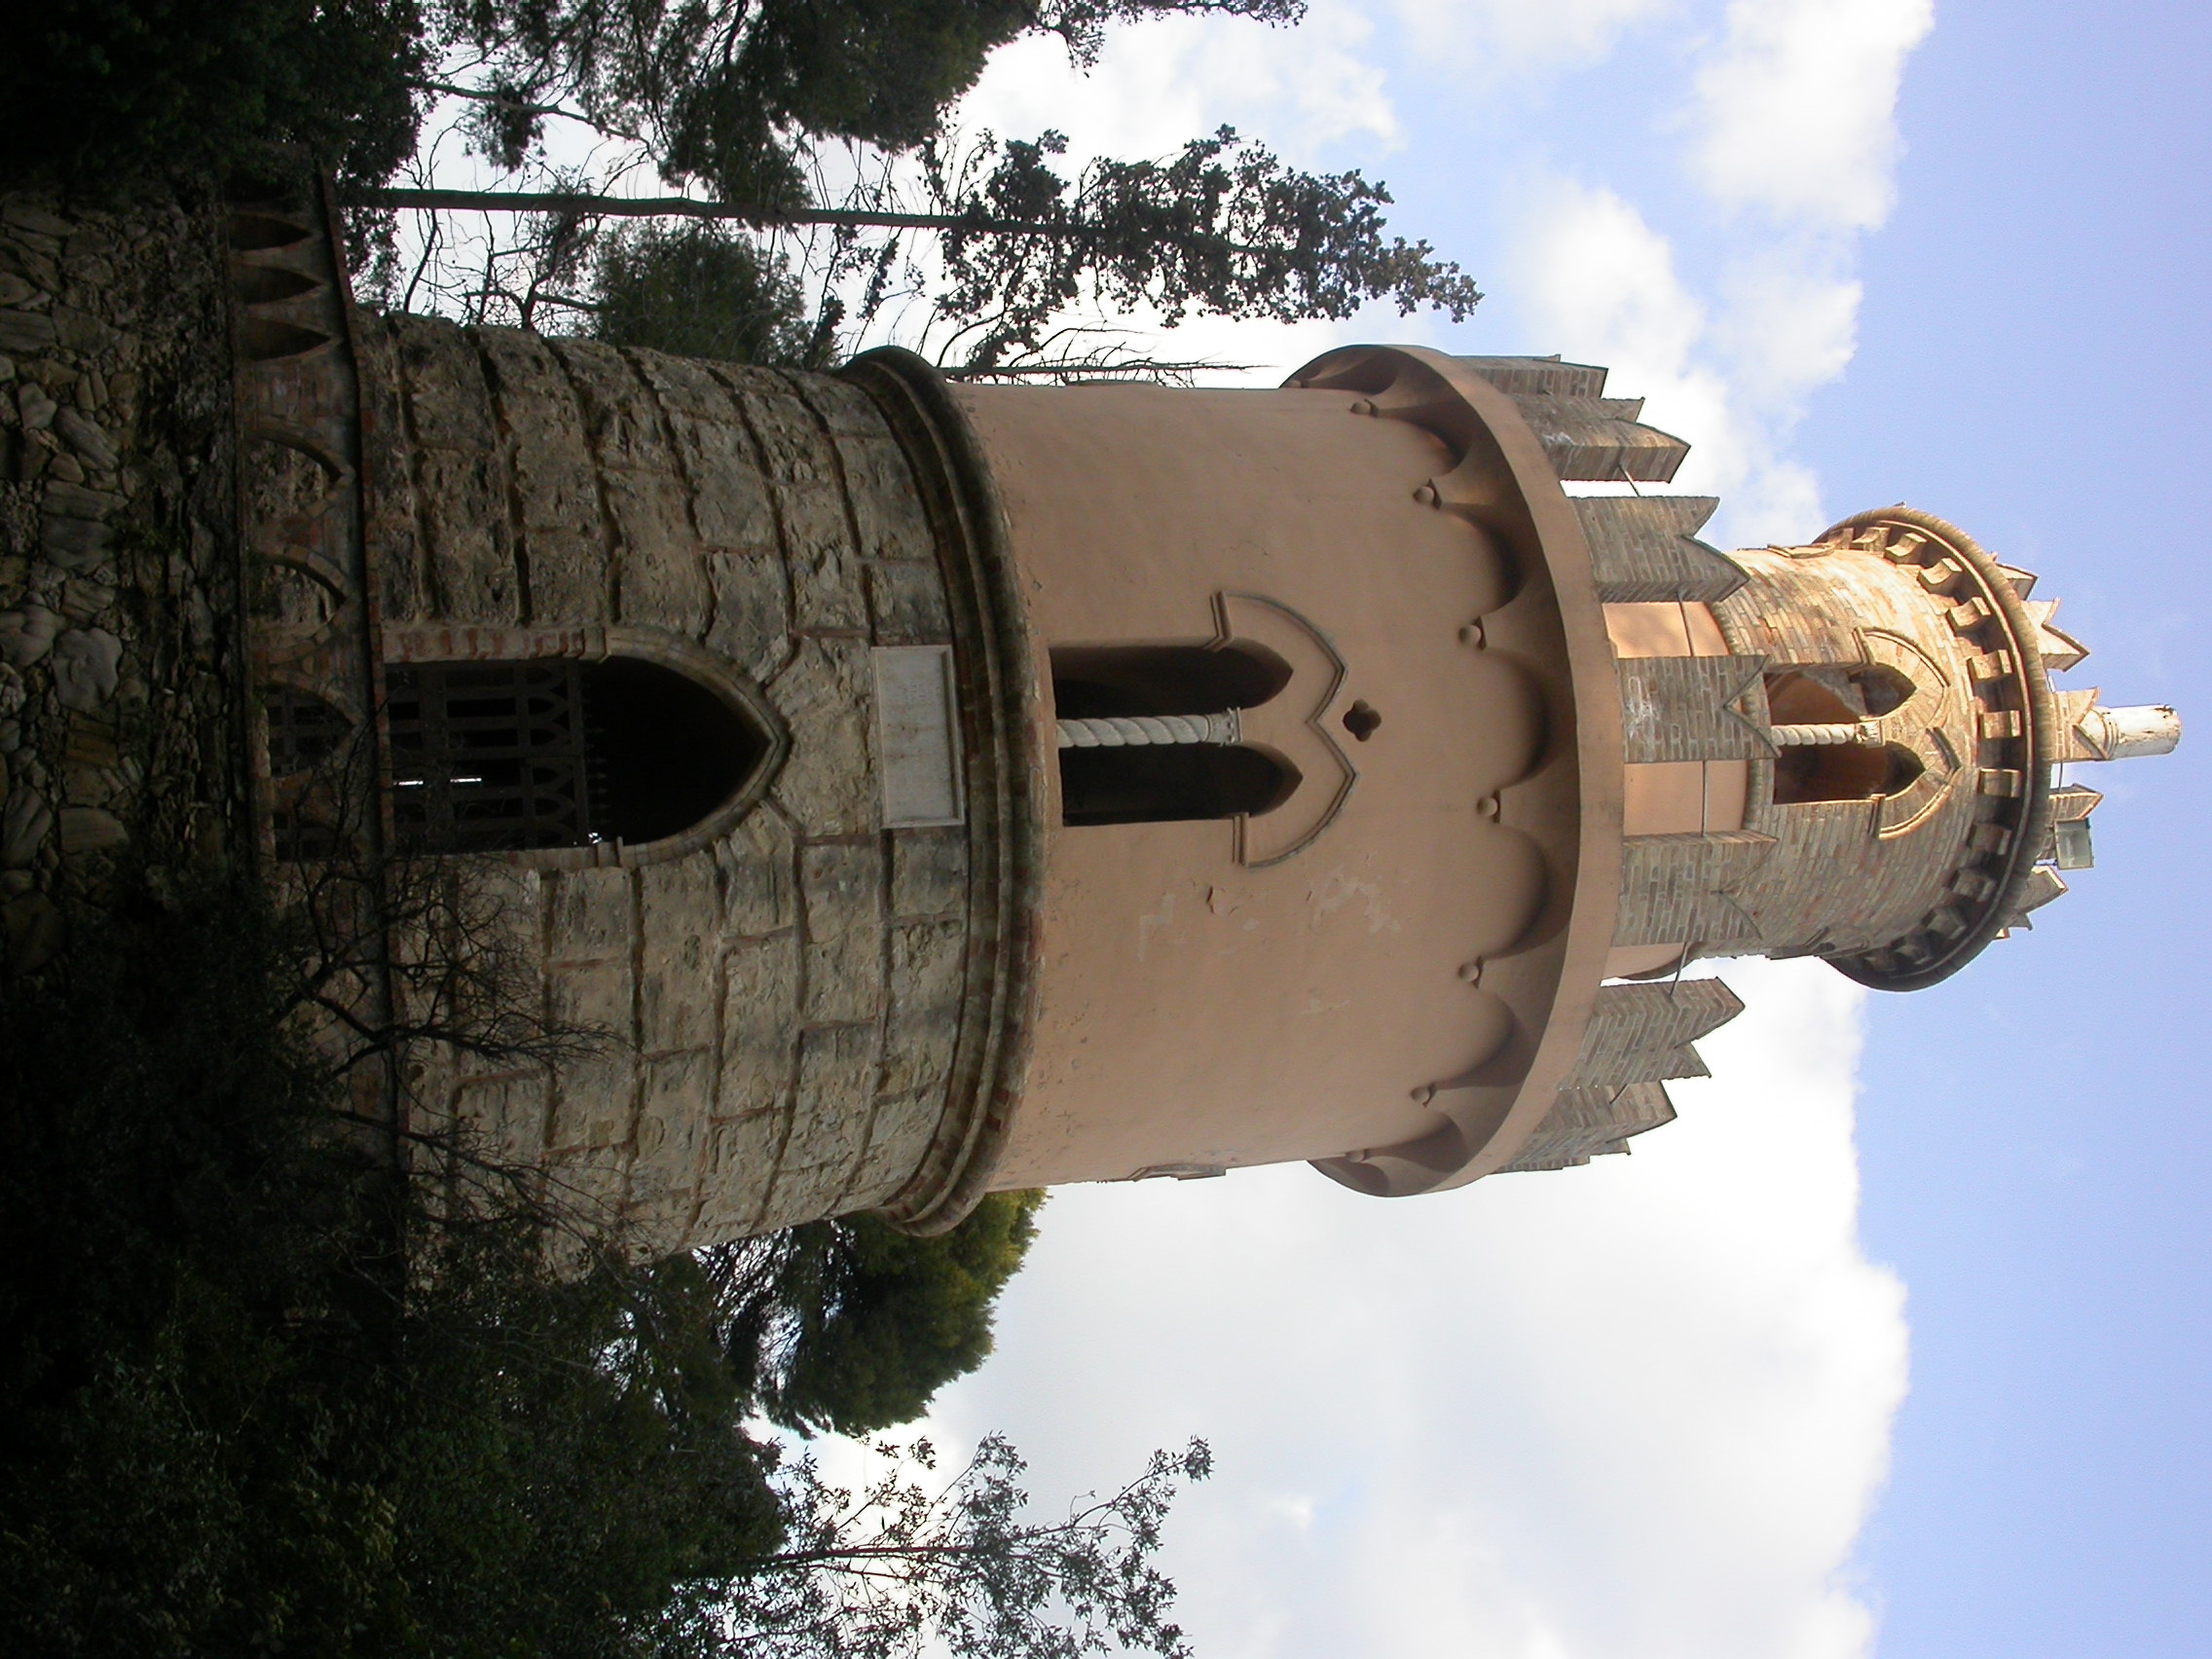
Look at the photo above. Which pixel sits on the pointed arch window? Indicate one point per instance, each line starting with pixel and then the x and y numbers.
pixel 520 754
pixel 1148 734
pixel 1823 723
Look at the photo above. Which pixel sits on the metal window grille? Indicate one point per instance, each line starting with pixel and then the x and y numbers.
pixel 488 757
pixel 304 730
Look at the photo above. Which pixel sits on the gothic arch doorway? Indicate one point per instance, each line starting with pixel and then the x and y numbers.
pixel 520 754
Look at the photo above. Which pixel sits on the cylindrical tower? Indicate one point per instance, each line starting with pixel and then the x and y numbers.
pixel 928 789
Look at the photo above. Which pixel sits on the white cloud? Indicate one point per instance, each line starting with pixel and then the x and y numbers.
pixel 1797 111
pixel 1635 1411
pixel 1156 84
pixel 1515 37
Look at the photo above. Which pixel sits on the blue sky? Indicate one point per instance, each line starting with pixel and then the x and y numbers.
pixel 1897 1342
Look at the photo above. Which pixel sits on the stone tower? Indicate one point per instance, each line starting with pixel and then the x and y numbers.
pixel 937 789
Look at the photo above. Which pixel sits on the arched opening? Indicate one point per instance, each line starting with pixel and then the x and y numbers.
pixel 1843 771
pixel 1094 680
pixel 1795 696
pixel 1881 689
pixel 1158 781
pixel 511 755
pixel 1827 694
pixel 1170 783
pixel 304 730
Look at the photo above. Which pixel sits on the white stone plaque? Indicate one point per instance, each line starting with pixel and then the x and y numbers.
pixel 917 736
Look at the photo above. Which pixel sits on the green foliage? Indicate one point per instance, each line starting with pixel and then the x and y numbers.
pixel 700 291
pixel 94 91
pixel 732 92
pixel 258 1393
pixel 258 1397
pixel 853 1326
pixel 1223 228
pixel 908 1565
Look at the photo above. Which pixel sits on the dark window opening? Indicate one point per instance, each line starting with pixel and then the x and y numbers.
pixel 1883 689
pixel 505 757
pixel 1843 771
pixel 1090 681
pixel 1170 783
pixel 1166 782
pixel 304 729
pixel 1794 697
pixel 1826 694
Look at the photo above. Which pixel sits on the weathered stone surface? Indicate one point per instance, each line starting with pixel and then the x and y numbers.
pixel 845 409
pixel 25 331
pixel 897 1138
pixel 594 1101
pixel 829 1120
pixel 751 594
pixel 679 917
pixel 621 420
pixel 906 605
pixel 470 570
pixel 443 383
pixel 842 886
pixel 593 913
pixel 34 408
pixel 811 499
pixel 826 696
pixel 89 830
pixel 663 579
pixel 86 663
pixel 86 437
pixel 28 634
pixel 740 1163
pixel 887 509
pixel 74 543
pixel 929 872
pixel 671 1129
pixel 555 479
pixel 508 1114
pixel 826 591
pixel 74 501
pixel 760 876
pixel 730 494
pixel 760 1024
pixel 928 961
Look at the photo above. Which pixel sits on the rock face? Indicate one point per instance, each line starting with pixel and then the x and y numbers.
pixel 121 673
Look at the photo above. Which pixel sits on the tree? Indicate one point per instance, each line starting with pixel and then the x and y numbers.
pixel 695 291
pixel 1221 229
pixel 227 1425
pixel 734 94
pixel 897 1570
pixel 93 91
pixel 851 1326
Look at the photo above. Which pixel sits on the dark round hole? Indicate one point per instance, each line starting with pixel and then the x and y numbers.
pixel 1361 720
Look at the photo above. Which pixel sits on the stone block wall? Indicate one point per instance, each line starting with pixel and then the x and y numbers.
pixel 782 1000
pixel 121 716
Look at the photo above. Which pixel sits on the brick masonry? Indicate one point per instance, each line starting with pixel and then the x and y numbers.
pixel 1819 875
pixel 782 1002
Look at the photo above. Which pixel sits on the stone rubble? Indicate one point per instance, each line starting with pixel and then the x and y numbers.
pixel 120 658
